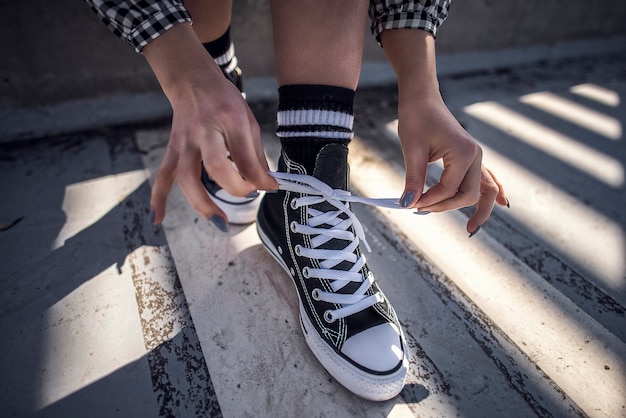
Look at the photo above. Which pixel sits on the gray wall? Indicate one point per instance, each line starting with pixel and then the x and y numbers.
pixel 56 51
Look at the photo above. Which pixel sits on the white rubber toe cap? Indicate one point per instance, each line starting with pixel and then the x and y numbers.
pixel 378 348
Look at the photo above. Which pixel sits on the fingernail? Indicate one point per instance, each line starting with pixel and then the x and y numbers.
pixel 508 204
pixel 252 195
pixel 426 212
pixel 407 199
pixel 151 217
pixel 475 231
pixel 219 223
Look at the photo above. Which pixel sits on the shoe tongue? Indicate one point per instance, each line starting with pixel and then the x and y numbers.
pixel 331 166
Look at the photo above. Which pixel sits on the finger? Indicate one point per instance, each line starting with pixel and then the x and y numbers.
pixel 501 198
pixel 467 194
pixel 162 186
pixel 465 159
pixel 416 164
pixel 188 178
pixel 220 167
pixel 249 156
pixel 489 190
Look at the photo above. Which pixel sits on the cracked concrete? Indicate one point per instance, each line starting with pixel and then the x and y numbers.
pixel 105 315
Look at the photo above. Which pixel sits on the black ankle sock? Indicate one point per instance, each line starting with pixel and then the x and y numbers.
pixel 312 116
pixel 219 46
pixel 222 50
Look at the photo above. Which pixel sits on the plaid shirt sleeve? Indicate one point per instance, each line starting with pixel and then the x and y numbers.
pixel 397 14
pixel 139 21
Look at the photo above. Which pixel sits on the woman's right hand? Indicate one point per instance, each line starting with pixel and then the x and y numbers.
pixel 211 121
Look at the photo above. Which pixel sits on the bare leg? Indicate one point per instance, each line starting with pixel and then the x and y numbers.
pixel 319 42
pixel 211 18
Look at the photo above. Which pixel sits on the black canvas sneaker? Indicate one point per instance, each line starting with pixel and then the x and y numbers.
pixel 240 210
pixel 235 76
pixel 347 321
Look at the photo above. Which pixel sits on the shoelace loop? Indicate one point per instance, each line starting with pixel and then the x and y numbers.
pixel 315 192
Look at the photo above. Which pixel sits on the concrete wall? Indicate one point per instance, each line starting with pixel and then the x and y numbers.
pixel 57 51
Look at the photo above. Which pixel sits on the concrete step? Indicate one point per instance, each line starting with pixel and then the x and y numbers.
pixel 94 320
pixel 547 291
pixel 245 312
pixel 104 315
pixel 524 319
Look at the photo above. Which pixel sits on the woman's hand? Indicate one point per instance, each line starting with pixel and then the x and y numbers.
pixel 211 121
pixel 429 132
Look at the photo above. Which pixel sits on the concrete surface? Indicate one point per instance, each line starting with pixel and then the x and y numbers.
pixel 103 112
pixel 104 315
pixel 55 52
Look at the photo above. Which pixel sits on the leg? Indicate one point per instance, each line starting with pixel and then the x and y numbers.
pixel 211 23
pixel 318 50
pixel 319 42
pixel 211 18
pixel 348 323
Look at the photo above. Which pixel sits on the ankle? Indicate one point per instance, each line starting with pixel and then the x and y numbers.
pixel 311 117
pixel 222 50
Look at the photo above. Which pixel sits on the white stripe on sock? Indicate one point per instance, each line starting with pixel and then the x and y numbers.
pixel 227 56
pixel 315 117
pixel 320 134
pixel 231 67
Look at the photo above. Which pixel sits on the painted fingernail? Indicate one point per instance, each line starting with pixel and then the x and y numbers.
pixel 151 217
pixel 219 222
pixel 426 212
pixel 475 231
pixel 508 204
pixel 252 195
pixel 407 199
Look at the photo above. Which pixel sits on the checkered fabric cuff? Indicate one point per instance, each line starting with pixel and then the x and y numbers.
pixel 139 21
pixel 157 24
pixel 427 15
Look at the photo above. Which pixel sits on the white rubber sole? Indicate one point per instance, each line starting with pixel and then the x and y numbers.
pixel 239 214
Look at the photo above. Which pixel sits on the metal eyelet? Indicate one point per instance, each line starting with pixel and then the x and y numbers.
pixel 305 272
pixel 328 317
pixel 292 204
pixel 280 250
pixel 315 294
pixel 297 249
pixel 292 226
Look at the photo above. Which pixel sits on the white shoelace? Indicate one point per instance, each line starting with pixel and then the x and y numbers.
pixel 336 228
